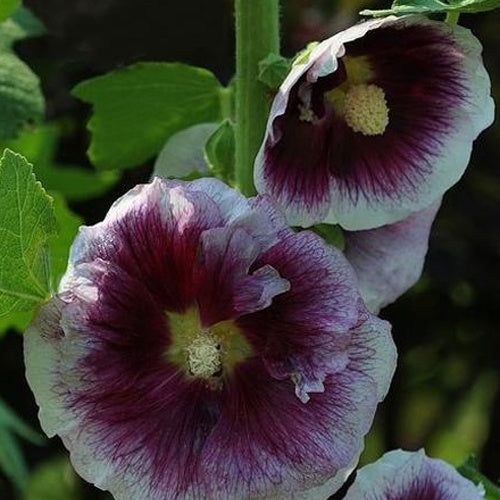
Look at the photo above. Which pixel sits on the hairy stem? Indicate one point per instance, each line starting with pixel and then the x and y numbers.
pixel 452 17
pixel 257 35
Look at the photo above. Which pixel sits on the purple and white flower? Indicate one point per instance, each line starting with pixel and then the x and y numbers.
pixel 389 260
pixel 376 125
pixel 199 348
pixel 403 475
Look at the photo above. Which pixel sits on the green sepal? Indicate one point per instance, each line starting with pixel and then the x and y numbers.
pixel 303 56
pixel 219 152
pixel 469 470
pixel 273 70
pixel 332 234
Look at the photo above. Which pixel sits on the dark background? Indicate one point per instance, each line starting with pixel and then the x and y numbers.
pixel 445 395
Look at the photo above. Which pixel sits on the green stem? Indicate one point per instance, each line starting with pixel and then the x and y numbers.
pixel 452 17
pixel 257 35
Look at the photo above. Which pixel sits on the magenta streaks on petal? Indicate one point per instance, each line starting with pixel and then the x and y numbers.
pixel 226 289
pixel 419 69
pixel 404 475
pixel 305 332
pixel 296 368
pixel 321 167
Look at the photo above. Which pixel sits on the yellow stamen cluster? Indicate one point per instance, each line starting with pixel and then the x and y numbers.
pixel 207 353
pixel 204 356
pixel 365 109
pixel 362 105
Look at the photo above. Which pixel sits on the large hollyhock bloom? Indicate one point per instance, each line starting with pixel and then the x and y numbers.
pixel 199 348
pixel 403 475
pixel 376 125
pixel 389 260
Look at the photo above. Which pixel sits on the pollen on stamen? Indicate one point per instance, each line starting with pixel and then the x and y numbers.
pixel 366 110
pixel 204 356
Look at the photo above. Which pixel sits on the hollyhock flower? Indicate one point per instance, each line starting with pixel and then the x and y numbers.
pixel 401 475
pixel 389 260
pixel 199 348
pixel 376 125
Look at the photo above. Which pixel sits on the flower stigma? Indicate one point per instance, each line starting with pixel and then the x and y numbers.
pixel 208 353
pixel 362 105
pixel 365 109
pixel 204 357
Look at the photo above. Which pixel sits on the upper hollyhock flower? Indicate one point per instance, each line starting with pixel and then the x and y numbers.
pixel 377 124
pixel 199 348
pixel 403 475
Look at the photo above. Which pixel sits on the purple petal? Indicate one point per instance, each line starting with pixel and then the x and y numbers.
pixel 227 290
pixel 401 474
pixel 389 260
pixel 102 356
pixel 305 333
pixel 438 94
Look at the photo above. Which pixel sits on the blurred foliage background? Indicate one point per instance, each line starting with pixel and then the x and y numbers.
pixel 446 392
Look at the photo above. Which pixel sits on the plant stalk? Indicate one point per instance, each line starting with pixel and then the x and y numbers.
pixel 452 17
pixel 257 35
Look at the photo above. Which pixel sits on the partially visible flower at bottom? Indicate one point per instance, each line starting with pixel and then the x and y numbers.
pixel 199 348
pixel 403 475
pixel 389 260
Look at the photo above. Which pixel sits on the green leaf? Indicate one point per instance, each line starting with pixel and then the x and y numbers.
pixel 58 250
pixel 219 152
pixel 332 234
pixel 20 96
pixel 469 469
pixel 7 7
pixel 26 222
pixel 23 24
pixel 183 155
pixel 53 480
pixel 16 321
pixel 9 420
pixel 11 458
pixel 136 109
pixel 68 224
pixel 12 461
pixel 401 7
pixel 273 70
pixel 39 146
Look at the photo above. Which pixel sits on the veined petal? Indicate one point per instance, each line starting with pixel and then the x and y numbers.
pixel 429 79
pixel 200 351
pixel 401 474
pixel 389 260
